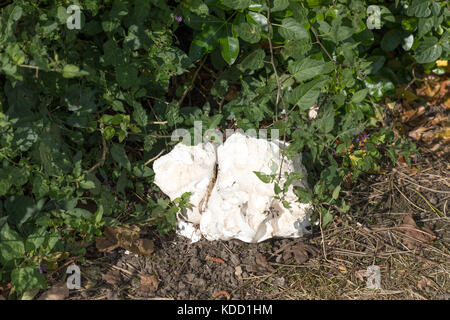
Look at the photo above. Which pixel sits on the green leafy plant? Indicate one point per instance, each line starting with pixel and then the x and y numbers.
pixel 84 112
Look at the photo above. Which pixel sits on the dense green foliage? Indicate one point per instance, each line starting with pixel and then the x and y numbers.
pixel 82 111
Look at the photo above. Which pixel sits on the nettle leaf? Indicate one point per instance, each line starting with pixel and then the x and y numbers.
pixel 428 51
pixel 119 155
pixel 11 245
pixel 28 278
pixel 237 4
pixel 139 115
pixel 307 68
pixel 306 95
pixel 359 95
pixel 127 76
pixel 229 48
pixel 291 29
pixel 326 122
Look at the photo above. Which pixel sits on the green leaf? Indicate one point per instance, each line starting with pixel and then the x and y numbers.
pixel 359 95
pixel 16 13
pixel 229 48
pixel 327 217
pixel 21 208
pixel 303 194
pixel 279 5
pixel 249 32
pixel 119 155
pixel 237 4
pixel 336 191
pixel 27 278
pixel 72 71
pixel 419 9
pixel 306 95
pixel 266 178
pixel 276 188
pixel 326 123
pixel 139 115
pixel 4 186
pixel 428 51
pixel 425 25
pixel 127 76
pixel 205 41
pixel 307 68
pixel 109 133
pixel 291 29
pixel 391 39
pixel 11 245
pixel 98 214
pixel 87 185
pixel 254 60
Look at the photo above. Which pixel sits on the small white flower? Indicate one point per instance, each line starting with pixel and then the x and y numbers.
pixel 312 114
pixel 127 252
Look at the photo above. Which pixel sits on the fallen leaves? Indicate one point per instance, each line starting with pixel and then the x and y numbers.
pixel 127 238
pixel 113 277
pixel 301 252
pixel 148 285
pixel 413 236
pixel 424 113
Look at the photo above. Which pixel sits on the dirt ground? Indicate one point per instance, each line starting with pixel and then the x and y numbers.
pixel 398 221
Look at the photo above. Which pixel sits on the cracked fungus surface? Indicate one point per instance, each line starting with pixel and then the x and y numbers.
pixel 228 200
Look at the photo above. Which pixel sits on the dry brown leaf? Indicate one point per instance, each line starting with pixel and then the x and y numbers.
pixel 414 237
pixel 58 292
pixel 106 245
pixel 113 277
pixel 148 285
pixel 300 253
pixel 127 238
pixel 343 268
pixel 261 261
